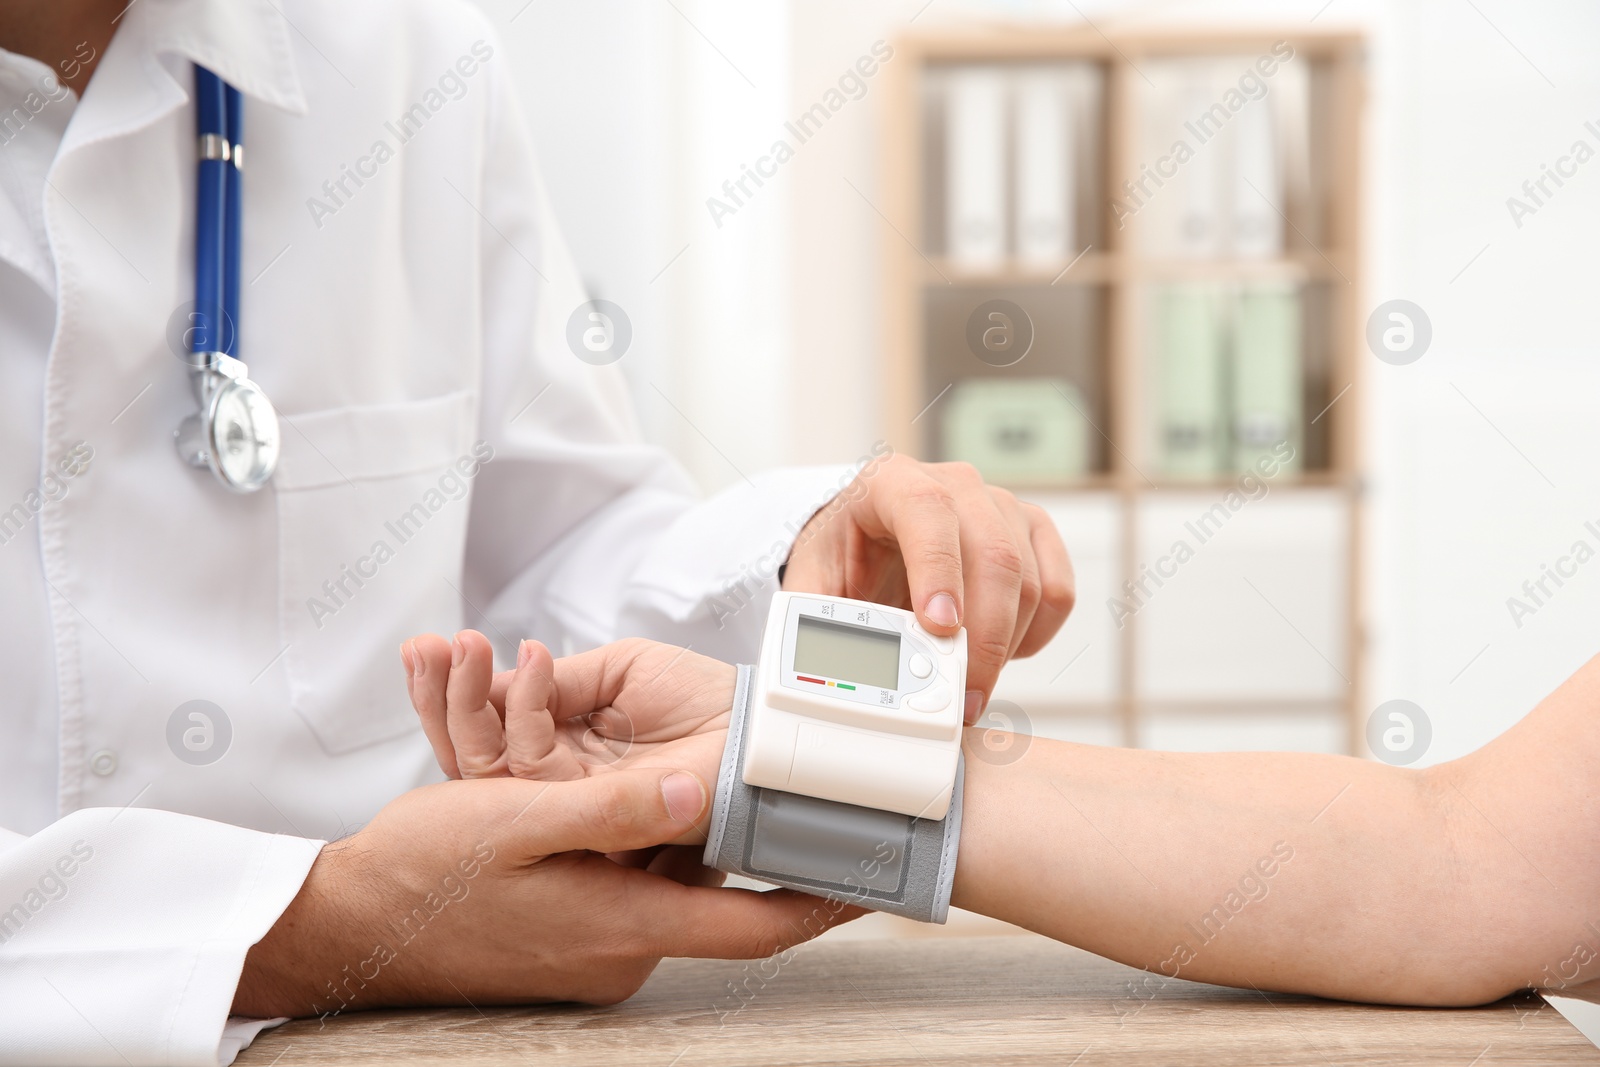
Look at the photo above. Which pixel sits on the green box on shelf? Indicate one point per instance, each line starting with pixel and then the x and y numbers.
pixel 1018 430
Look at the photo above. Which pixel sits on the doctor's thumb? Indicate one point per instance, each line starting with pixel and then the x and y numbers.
pixel 618 812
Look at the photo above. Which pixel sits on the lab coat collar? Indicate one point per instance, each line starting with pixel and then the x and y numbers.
pixel 245 42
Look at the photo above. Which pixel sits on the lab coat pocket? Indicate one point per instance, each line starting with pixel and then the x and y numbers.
pixel 372 520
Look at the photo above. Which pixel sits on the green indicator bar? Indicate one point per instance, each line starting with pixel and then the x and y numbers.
pixel 844 685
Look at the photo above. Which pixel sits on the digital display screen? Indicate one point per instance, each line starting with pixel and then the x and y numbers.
pixel 853 653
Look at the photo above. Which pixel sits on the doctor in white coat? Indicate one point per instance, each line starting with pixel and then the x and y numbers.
pixel 203 687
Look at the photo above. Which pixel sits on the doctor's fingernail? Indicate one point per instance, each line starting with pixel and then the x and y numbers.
pixel 941 610
pixel 524 654
pixel 419 662
pixel 685 796
pixel 405 658
pixel 458 651
pixel 974 704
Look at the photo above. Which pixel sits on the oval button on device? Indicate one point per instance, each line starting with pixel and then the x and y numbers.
pixel 935 698
pixel 921 666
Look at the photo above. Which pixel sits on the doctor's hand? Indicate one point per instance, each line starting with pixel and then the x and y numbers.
pixel 932 537
pixel 496 892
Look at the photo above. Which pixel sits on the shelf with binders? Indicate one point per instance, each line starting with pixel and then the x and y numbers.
pixel 1188 316
pixel 1229 168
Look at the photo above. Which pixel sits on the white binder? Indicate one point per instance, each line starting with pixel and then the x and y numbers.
pixel 975 163
pixel 1200 230
pixel 1045 194
pixel 1256 227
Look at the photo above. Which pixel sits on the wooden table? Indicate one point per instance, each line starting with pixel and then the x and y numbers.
pixel 1000 1000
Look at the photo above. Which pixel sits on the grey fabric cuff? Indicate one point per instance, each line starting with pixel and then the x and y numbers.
pixel 878 859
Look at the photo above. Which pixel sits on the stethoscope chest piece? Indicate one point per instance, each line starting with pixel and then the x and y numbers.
pixel 236 431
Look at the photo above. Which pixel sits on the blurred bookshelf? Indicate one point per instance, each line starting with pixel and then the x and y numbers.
pixel 1127 331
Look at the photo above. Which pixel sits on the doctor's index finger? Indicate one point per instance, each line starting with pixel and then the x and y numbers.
pixel 921 514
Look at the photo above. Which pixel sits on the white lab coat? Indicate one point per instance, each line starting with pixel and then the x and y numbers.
pixel 406 325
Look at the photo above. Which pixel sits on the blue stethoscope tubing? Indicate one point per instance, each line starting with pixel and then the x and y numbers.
pixel 235 433
pixel 219 116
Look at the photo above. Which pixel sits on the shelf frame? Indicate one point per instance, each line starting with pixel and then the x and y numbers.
pixel 1122 272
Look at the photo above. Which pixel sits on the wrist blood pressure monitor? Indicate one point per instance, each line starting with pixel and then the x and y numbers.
pixel 842 775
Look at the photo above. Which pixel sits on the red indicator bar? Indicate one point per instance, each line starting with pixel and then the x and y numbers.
pixel 803 678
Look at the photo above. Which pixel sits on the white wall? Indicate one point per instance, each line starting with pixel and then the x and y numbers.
pixel 640 111
pixel 764 333
pixel 1468 514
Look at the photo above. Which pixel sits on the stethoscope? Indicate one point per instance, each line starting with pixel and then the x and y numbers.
pixel 235 432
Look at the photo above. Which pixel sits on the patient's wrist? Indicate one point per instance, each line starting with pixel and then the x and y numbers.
pixel 992 767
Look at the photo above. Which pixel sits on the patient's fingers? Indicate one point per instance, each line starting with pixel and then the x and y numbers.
pixel 427 658
pixel 476 732
pixel 531 747
pixel 658 689
pixel 497 690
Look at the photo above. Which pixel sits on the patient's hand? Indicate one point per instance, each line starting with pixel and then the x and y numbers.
pixel 633 703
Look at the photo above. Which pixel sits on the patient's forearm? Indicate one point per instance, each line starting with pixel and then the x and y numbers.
pixel 1304 873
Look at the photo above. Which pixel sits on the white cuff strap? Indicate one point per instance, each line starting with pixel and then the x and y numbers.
pixel 878 859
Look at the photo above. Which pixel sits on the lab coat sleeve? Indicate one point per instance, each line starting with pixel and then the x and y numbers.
pixel 580 531
pixel 123 934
